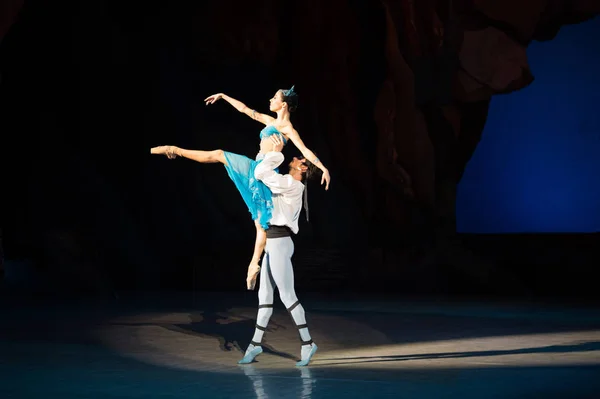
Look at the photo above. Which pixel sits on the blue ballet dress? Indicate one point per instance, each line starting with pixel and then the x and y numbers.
pixel 256 194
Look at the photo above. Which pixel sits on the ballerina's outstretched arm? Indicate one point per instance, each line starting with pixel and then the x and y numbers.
pixel 293 135
pixel 241 107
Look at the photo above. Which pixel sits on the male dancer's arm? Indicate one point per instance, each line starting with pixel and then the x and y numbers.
pixel 278 184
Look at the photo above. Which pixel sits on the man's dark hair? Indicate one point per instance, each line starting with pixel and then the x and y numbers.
pixel 312 172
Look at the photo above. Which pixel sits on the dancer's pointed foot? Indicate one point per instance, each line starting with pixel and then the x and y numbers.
pixel 250 354
pixel 253 271
pixel 168 150
pixel 306 354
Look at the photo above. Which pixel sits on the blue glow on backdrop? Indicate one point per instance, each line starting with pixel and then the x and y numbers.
pixel 537 167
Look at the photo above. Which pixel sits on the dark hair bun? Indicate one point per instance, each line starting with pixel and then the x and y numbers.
pixel 290 97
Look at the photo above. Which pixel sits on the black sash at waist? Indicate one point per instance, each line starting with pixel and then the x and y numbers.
pixel 278 232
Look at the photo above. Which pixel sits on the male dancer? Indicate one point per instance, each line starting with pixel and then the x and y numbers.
pixel 277 270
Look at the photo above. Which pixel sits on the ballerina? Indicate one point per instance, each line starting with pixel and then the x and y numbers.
pixel 241 168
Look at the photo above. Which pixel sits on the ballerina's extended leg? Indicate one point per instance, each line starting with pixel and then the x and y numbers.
pixel 171 151
pixel 218 156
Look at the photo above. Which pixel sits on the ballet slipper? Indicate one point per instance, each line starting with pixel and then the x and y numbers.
pixel 250 354
pixel 307 353
pixel 167 150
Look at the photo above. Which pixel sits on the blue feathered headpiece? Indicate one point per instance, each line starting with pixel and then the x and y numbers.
pixel 290 92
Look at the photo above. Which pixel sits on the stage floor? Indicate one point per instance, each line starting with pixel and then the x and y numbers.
pixel 187 346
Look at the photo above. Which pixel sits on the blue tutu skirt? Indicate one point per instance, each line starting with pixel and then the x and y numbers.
pixel 256 194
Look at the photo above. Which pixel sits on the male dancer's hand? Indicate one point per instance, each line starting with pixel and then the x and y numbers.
pixel 277 143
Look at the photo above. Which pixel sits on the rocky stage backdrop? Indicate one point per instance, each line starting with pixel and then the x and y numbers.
pixel 393 98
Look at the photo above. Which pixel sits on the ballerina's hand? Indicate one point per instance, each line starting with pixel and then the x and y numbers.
pixel 326 179
pixel 213 99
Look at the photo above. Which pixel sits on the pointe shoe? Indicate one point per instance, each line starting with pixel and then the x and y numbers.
pixel 167 150
pixel 253 271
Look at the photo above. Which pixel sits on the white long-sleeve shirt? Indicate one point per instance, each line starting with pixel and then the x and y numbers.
pixel 287 191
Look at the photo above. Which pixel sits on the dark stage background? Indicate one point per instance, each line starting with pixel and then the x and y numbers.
pixel 394 97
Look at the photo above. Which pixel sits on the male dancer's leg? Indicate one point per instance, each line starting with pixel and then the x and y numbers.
pixel 280 263
pixel 265 311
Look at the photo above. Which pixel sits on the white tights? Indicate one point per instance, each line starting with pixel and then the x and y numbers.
pixel 277 271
